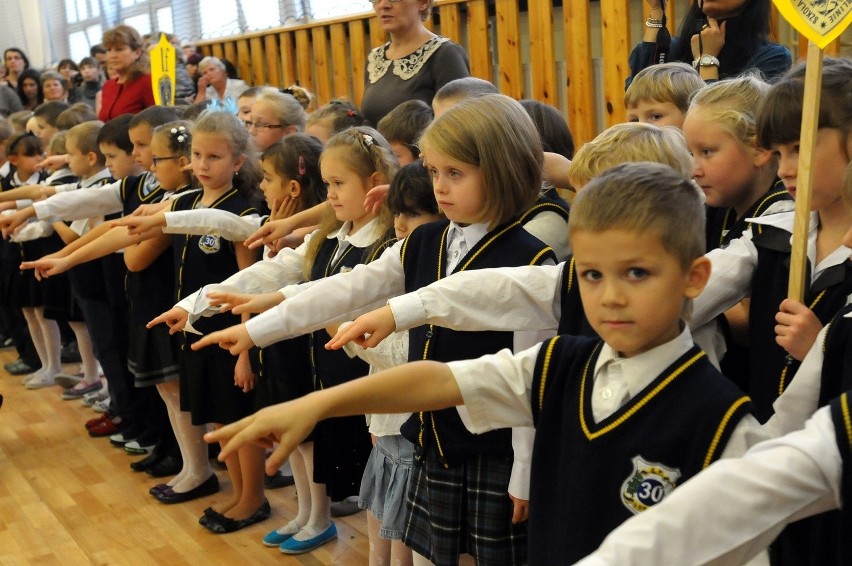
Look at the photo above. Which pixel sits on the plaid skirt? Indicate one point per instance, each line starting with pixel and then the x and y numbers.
pixel 464 509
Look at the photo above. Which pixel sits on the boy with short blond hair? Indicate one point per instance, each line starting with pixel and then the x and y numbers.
pixel 620 421
pixel 402 127
pixel 660 94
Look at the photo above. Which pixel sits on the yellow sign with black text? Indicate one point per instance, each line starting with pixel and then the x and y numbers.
pixel 821 21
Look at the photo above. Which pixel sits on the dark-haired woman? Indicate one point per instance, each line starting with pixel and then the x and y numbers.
pixel 16 62
pixel 725 39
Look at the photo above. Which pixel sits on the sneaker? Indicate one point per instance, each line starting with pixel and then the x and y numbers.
pixel 81 390
pixel 26 378
pixel 101 406
pixel 39 381
pixel 66 381
pixel 20 367
pixel 90 398
pixel 107 427
pixel 140 447
pixel 98 420
pixel 121 439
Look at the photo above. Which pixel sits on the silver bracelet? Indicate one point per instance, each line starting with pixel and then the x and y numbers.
pixel 653 23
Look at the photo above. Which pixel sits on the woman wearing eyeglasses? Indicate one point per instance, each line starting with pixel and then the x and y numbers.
pixel 214 84
pixel 414 64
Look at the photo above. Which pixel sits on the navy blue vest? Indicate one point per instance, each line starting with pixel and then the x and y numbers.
pixel 572 316
pixel 838 544
pixel 723 225
pixel 547 201
pixel 333 367
pixel 587 477
pixel 199 260
pixel 442 433
pixel 771 369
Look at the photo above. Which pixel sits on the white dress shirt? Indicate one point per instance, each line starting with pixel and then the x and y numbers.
pixel 735 508
pixel 86 201
pixel 198 222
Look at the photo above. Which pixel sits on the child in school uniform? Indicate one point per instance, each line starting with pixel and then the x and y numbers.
pixel 621 421
pixel 274 115
pixel 334 117
pixel 483 195
pixel 659 95
pixel 353 162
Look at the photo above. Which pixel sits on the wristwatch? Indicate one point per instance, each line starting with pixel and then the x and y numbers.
pixel 706 61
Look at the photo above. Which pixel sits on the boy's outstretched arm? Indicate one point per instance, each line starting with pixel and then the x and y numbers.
pixel 368 330
pixel 417 386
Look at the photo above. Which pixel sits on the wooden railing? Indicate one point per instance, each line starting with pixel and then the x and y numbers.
pixel 556 45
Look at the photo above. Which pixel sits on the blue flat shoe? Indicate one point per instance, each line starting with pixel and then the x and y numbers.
pixel 274 538
pixel 293 546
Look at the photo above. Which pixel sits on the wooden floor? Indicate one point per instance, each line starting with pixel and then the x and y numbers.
pixel 66 498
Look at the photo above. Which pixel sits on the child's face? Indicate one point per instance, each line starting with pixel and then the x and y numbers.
pixel 165 165
pixel 829 162
pixel 89 72
pixel 120 163
pixel 632 289
pixel 403 153
pixel 80 163
pixel 213 163
pixel 458 187
pixel 140 137
pixel 275 187
pixel 405 222
pixel 656 113
pixel 320 131
pixel 53 90
pixel 346 190
pixel 244 105
pixel 266 129
pixel 43 130
pixel 27 165
pixel 724 169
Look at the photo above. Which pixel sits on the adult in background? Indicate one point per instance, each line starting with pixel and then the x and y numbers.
pixel 29 89
pixel 214 84
pixel 720 38
pixel 16 62
pixel 129 91
pixel 9 101
pixel 54 87
pixel 414 64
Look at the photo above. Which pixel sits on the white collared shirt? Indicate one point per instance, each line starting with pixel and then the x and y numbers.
pixel 87 201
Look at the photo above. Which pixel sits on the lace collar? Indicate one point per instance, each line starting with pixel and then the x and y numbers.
pixel 404 67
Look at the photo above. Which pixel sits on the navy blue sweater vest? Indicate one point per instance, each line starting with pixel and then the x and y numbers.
pixel 587 477
pixel 572 318
pixel 442 433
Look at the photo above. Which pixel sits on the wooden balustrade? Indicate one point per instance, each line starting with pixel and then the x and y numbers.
pixel 527 54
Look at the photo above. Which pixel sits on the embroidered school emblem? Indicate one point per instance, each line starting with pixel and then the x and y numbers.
pixel 821 21
pixel 648 484
pixel 209 244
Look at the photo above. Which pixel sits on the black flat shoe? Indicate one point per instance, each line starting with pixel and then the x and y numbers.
pixel 159 488
pixel 168 466
pixel 145 463
pixel 169 496
pixel 278 480
pixel 221 524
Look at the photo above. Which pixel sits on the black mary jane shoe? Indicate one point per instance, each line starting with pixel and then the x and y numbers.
pixel 220 524
pixel 169 496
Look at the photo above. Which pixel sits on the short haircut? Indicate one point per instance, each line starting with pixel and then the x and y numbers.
pixel 211 61
pixel 666 82
pixel 648 198
pixel 76 114
pixel 465 87
pixel 57 144
pixel 286 108
pixel 552 127
pixel 411 191
pixel 115 133
pixel 85 138
pixel 494 133
pixel 732 104
pixel 5 129
pixel 779 119
pixel 88 61
pixel 97 49
pixel 406 122
pixel 337 115
pixel 50 111
pixel 53 76
pixel 631 141
pixel 25 144
pixel 255 91
pixel 154 116
pixel 18 120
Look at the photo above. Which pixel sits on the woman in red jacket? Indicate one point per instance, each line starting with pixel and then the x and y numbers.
pixel 129 91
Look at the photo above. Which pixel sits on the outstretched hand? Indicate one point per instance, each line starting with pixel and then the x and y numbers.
pixel 9 223
pixel 176 319
pixel 241 303
pixel 367 330
pixel 269 233
pixel 286 425
pixel 235 339
pixel 139 225
pixel 47 266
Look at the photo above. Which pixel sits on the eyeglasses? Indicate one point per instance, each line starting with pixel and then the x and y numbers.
pixel 156 160
pixel 260 126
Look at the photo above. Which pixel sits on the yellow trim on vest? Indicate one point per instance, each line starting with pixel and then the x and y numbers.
pixel 544 372
pixel 540 254
pixel 570 284
pixel 847 422
pixel 641 403
pixel 708 459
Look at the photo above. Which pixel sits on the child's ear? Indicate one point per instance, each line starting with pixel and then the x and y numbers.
pixel 92 158
pixel 376 179
pixel 183 162
pixel 294 189
pixel 238 163
pixel 696 277
pixel 762 156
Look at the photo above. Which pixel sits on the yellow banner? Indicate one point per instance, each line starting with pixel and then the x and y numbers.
pixel 163 72
pixel 821 21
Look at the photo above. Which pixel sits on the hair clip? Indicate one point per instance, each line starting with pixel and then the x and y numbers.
pixel 180 134
pixel 350 113
pixel 368 140
pixel 302 169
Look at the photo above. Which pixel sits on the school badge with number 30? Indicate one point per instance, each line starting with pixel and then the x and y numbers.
pixel 821 21
pixel 209 244
pixel 647 485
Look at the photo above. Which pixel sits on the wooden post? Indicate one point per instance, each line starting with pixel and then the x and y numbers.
pixel 340 86
pixel 511 77
pixel 615 28
pixel 243 63
pixel 273 59
pixel 477 34
pixel 358 59
pixel 540 14
pixel 304 70
pixel 804 181
pixel 258 61
pixel 578 70
pixel 288 60
pixel 451 22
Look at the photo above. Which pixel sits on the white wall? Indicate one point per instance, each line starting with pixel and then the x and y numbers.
pixel 23 27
